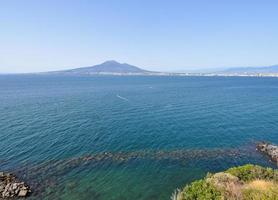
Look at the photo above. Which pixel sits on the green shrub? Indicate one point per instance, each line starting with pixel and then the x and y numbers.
pixel 235 183
pixel 251 172
pixel 201 190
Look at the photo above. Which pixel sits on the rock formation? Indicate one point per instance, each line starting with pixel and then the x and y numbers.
pixel 269 149
pixel 11 187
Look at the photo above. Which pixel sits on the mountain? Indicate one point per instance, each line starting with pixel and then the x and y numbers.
pixel 108 67
pixel 115 68
pixel 253 70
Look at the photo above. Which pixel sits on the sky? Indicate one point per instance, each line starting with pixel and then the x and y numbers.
pixel 164 35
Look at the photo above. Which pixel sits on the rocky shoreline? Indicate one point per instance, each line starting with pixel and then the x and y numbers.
pixel 269 149
pixel 11 187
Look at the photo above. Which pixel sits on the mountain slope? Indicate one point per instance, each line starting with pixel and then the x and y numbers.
pixel 253 70
pixel 108 67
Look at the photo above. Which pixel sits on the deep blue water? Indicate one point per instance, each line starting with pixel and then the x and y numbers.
pixel 148 135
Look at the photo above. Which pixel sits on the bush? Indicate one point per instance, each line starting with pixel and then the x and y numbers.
pixel 248 182
pixel 201 190
pixel 227 184
pixel 251 172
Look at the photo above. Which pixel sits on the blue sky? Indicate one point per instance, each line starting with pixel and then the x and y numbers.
pixel 166 35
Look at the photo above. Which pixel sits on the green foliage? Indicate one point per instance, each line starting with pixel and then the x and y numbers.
pixel 235 183
pixel 200 190
pixel 252 194
pixel 251 172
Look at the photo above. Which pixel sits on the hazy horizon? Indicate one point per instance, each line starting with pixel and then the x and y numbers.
pixel 154 35
pixel 177 70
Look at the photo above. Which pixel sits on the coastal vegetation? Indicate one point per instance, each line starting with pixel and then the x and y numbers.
pixel 248 182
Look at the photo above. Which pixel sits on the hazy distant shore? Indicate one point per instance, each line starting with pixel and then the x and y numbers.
pixel 114 68
pixel 146 74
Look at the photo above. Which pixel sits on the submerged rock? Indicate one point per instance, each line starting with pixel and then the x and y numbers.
pixel 10 187
pixel 269 149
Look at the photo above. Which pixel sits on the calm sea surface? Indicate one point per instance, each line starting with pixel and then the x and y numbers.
pixel 127 138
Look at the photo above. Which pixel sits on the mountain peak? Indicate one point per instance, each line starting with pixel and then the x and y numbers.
pixel 108 67
pixel 111 62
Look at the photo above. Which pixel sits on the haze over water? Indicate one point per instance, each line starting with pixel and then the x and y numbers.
pixel 130 137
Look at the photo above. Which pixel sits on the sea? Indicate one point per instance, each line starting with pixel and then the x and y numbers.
pixel 130 137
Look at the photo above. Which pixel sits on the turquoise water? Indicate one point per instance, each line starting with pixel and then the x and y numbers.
pixel 117 138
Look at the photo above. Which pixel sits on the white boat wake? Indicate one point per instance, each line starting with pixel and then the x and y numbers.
pixel 120 97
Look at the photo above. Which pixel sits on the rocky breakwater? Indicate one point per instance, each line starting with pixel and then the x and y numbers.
pixel 269 149
pixel 11 187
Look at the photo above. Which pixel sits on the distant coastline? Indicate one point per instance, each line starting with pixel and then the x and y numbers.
pixel 179 74
pixel 274 75
pixel 114 68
